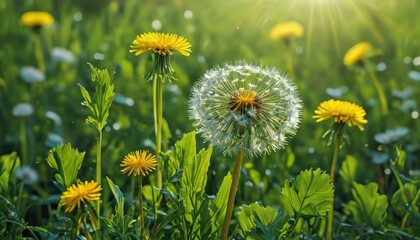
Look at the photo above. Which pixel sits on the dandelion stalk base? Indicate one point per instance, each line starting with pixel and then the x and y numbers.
pixel 232 194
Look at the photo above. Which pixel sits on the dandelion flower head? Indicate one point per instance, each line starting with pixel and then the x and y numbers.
pixel 356 53
pixel 160 43
pixel 342 112
pixel 286 29
pixel 163 45
pixel 245 106
pixel 82 192
pixel 138 162
pixel 36 19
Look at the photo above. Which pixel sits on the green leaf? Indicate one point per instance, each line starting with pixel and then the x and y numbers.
pixel 311 194
pixel 152 195
pixel 407 202
pixel 218 211
pixel 183 153
pixel 118 195
pixel 101 101
pixel 348 171
pixel 8 165
pixel 368 208
pixel 259 222
pixel 67 161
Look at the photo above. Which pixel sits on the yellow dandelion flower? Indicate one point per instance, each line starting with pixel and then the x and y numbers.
pixel 138 162
pixel 160 43
pixel 36 19
pixel 342 112
pixel 82 192
pixel 286 29
pixel 356 53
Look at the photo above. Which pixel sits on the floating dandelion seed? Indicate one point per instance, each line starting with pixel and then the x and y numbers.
pixel 82 192
pixel 245 106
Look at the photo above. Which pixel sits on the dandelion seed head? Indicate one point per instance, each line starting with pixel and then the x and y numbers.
pixel 245 106
pixel 27 175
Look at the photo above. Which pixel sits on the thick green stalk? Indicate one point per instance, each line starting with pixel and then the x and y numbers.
pixel 98 176
pixel 158 118
pixel 141 205
pixel 332 177
pixel 232 194
pixel 38 52
pixel 379 89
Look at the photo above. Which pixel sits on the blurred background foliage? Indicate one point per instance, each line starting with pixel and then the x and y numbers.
pixel 100 32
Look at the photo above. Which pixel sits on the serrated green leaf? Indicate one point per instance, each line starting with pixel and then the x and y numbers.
pixel 368 208
pixel 67 161
pixel 102 99
pixel 311 194
pixel 259 222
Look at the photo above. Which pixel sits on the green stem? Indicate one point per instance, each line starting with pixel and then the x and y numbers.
pixel 24 142
pixel 158 118
pixel 19 201
pixel 332 178
pixel 232 194
pixel 38 52
pixel 289 58
pixel 98 176
pixel 141 205
pixel 378 88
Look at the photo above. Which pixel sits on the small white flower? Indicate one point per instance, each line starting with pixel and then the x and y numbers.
pixel 62 55
pixel 22 109
pixel 30 74
pixel 27 175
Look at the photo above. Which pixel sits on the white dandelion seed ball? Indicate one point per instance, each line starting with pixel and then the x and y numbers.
pixel 245 106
